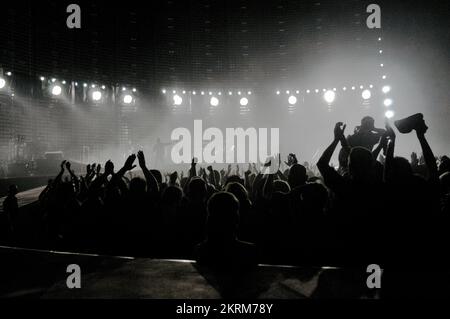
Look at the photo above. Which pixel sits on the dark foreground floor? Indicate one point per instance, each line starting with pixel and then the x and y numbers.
pixel 41 274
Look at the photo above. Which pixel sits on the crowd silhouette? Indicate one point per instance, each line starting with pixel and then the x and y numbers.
pixel 374 208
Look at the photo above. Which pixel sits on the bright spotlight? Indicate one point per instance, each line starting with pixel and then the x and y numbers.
pixel 96 95
pixel 177 100
pixel 127 99
pixel 329 96
pixel 214 101
pixel 292 100
pixel 163 91
pixel 389 114
pixel 387 102
pixel 243 101
pixel 366 94
pixel 2 83
pixel 56 90
pixel 8 73
pixel 386 89
pixel 278 92
pixel 42 78
pixel 307 91
pixel 384 77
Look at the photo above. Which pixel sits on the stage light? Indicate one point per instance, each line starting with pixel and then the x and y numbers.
pixel 53 80
pixel 174 92
pixel 386 89
pixel 384 77
pixel 134 90
pixel 353 88
pixel 329 96
pixel 203 93
pixel 210 93
pixel 42 78
pixel 387 102
pixel 56 90
pixel 297 92
pixel 379 39
pixel 389 114
pixel 8 73
pixel 96 95
pixel 371 86
pixel 287 92
pixel 381 51
pixel 214 101
pixel 292 100
pixel 93 86
pixel 324 90
pixel 239 92
pixel 177 100
pixel 85 85
pixel 317 90
pixel 382 64
pixel 127 99
pixel 76 83
pixel 163 91
pixel 63 82
pixel 230 93
pixel 278 92
pixel 184 92
pixel 103 87
pixel 344 88
pixel 2 83
pixel 334 89
pixel 249 92
pixel 361 87
pixel 243 101
pixel 220 93
pixel 194 93
pixel 366 94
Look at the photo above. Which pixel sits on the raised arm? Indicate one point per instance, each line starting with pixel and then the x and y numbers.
pixel 152 184
pixel 428 155
pixel 324 161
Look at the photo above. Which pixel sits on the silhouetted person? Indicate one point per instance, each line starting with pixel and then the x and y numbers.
pixel 222 250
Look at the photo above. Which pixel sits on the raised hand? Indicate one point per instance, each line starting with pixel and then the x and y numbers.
pixel 128 166
pixel 68 166
pixel 99 167
pixel 339 129
pixel 141 159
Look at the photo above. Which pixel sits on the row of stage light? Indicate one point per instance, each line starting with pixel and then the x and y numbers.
pixel 97 93
pixel 94 92
pixel 329 96
pixel 60 88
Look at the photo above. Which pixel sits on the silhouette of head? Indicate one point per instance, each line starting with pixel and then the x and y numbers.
pixel 172 195
pixel 138 186
pixel 197 189
pixel 223 216
pixel 13 190
pixel 367 123
pixel 360 163
pixel 237 190
pixel 401 168
pixel 297 175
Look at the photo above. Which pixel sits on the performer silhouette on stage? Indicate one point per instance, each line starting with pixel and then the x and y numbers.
pixel 159 153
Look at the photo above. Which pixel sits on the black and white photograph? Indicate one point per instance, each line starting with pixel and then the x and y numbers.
pixel 233 157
